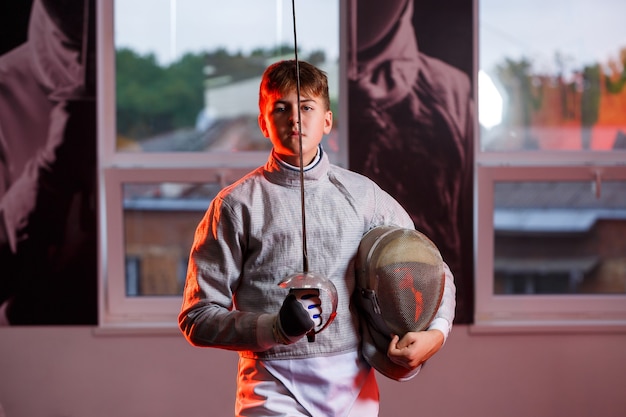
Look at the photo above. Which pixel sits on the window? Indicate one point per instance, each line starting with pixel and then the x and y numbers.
pixel 151 216
pixel 555 250
pixel 178 121
pixel 550 171
pixel 551 179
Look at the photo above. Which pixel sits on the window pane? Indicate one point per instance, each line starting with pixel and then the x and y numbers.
pixel 159 223
pixel 188 72
pixel 552 75
pixel 560 237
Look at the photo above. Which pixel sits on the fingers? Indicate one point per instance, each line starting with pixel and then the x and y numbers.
pixel 314 308
pixel 310 300
pixel 405 351
pixel 414 348
pixel 306 293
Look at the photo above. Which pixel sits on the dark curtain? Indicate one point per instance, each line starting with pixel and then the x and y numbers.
pixel 48 227
pixel 411 119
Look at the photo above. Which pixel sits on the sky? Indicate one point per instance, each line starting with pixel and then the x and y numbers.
pixel 170 28
pixel 582 31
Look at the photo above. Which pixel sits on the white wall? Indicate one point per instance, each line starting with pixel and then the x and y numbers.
pixel 76 372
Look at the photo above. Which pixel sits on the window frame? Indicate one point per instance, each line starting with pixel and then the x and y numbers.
pixel 492 313
pixel 498 312
pixel 116 309
pixel 117 306
pixel 538 313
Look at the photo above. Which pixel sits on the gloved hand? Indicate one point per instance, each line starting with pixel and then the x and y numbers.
pixel 300 313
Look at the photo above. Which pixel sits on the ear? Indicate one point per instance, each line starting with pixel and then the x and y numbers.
pixel 328 122
pixel 263 126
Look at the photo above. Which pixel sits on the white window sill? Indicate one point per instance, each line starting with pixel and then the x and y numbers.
pixel 138 329
pixel 548 326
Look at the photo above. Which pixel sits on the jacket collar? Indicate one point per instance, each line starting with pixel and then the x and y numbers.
pixel 278 172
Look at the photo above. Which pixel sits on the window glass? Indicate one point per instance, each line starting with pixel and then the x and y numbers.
pixel 188 71
pixel 557 237
pixel 159 223
pixel 185 104
pixel 552 75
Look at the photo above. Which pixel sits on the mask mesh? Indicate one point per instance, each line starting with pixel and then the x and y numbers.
pixel 408 295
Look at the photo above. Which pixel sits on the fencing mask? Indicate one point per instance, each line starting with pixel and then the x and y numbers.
pixel 399 285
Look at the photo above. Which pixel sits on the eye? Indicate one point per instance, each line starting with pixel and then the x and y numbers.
pixel 279 109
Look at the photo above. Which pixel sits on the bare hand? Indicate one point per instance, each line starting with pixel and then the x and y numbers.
pixel 414 348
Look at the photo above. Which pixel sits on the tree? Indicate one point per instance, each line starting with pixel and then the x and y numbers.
pixel 154 99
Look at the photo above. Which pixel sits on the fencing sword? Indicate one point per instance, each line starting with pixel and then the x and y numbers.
pixel 307 280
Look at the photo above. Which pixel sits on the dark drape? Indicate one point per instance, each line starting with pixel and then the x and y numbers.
pixel 48 239
pixel 411 119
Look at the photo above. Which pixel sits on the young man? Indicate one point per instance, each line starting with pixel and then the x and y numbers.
pixel 250 240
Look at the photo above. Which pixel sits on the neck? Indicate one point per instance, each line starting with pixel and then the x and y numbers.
pixel 307 164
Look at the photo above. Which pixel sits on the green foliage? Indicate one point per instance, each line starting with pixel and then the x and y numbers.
pixel 154 99
pixel 590 100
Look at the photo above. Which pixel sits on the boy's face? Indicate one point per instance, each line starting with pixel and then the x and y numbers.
pixel 278 122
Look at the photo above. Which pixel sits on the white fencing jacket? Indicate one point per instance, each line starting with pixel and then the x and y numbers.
pixel 250 239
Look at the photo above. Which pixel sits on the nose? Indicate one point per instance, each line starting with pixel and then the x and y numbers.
pixel 294 118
